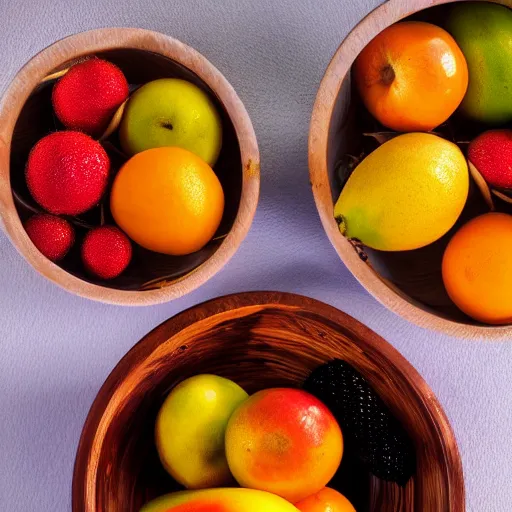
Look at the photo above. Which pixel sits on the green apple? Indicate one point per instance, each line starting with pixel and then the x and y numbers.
pixel 190 430
pixel 171 112
pixel 483 31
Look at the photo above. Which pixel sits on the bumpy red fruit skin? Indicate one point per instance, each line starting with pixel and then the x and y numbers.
pixel 87 96
pixel 106 252
pixel 491 154
pixel 67 172
pixel 52 235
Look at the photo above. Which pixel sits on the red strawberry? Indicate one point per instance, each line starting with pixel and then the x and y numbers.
pixel 106 252
pixel 88 95
pixel 491 154
pixel 67 172
pixel 52 235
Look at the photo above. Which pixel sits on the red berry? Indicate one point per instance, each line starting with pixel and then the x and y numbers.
pixel 491 154
pixel 88 95
pixel 52 235
pixel 67 172
pixel 106 252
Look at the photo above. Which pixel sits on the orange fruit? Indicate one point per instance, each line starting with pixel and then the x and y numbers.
pixel 412 76
pixel 284 441
pixel 325 500
pixel 477 268
pixel 167 200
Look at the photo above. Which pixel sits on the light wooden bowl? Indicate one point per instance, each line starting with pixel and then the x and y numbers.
pixel 409 283
pixel 26 115
pixel 260 340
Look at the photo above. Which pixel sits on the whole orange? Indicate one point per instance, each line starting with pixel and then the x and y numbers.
pixel 477 268
pixel 284 441
pixel 325 500
pixel 412 76
pixel 167 200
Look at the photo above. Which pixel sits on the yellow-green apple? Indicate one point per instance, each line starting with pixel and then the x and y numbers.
pixel 190 430
pixel 171 112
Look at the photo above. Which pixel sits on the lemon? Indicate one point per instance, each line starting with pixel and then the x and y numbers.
pixel 406 194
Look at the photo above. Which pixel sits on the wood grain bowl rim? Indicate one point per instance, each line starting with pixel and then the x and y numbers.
pixel 330 86
pixel 94 429
pixel 92 42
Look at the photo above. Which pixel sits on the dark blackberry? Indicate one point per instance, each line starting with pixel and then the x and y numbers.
pixel 366 422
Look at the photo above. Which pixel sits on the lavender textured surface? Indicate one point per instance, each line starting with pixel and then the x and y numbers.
pixel 56 349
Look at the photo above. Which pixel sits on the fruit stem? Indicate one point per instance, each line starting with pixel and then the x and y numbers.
pixel 342 226
pixel 168 125
pixel 387 75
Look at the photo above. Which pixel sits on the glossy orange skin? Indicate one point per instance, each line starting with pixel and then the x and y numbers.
pixel 167 200
pixel 412 76
pixel 325 500
pixel 477 268
pixel 284 441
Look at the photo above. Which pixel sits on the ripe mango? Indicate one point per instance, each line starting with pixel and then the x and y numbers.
pixel 483 31
pixel 406 194
pixel 284 441
pixel 220 500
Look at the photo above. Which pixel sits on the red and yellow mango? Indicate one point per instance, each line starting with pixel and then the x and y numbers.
pixel 219 500
pixel 284 441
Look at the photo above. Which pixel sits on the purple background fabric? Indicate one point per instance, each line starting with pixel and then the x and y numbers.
pixel 57 349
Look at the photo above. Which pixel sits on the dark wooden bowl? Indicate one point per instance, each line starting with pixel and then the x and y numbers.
pixel 409 283
pixel 259 340
pixel 26 116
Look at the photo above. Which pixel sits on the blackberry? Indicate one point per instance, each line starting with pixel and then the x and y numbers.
pixel 368 425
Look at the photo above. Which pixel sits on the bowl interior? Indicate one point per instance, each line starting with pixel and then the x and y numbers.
pixel 148 269
pixel 414 275
pixel 259 340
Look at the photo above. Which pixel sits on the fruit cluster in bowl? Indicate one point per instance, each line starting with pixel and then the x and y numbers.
pixel 437 108
pixel 278 449
pixel 126 171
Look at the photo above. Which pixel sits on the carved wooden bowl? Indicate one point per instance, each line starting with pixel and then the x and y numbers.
pixel 260 340
pixel 409 283
pixel 26 116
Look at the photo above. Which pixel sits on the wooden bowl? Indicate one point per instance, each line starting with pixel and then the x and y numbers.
pixel 26 116
pixel 409 283
pixel 260 340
